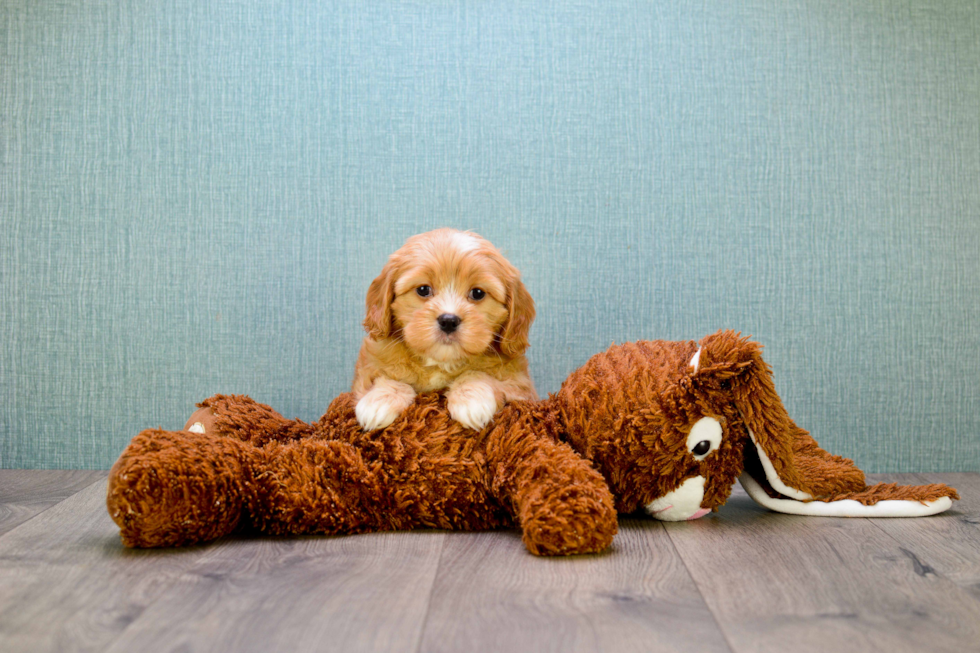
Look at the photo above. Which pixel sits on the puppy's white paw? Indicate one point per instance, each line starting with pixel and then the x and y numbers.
pixel 373 413
pixel 383 404
pixel 472 404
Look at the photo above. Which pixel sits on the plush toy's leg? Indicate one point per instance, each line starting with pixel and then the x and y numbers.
pixel 175 488
pixel 562 504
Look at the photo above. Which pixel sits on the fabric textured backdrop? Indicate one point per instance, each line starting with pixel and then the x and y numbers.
pixel 196 194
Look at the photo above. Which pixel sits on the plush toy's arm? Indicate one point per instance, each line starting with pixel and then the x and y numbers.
pixel 562 505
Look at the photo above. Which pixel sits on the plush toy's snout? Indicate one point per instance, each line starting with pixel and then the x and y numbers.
pixel 686 502
pixel 681 504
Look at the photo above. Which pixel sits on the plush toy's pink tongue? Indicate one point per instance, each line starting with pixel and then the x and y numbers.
pixel 699 513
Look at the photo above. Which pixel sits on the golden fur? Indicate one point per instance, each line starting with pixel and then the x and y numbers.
pixel 480 362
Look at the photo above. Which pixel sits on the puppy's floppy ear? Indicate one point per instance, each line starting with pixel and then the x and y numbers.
pixel 785 470
pixel 377 317
pixel 520 309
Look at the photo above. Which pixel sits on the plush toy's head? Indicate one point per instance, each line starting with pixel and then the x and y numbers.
pixel 672 425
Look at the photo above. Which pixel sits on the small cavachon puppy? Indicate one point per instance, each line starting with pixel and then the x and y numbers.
pixel 448 311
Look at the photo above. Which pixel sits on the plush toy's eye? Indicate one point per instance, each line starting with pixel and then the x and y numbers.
pixel 424 291
pixel 477 294
pixel 704 438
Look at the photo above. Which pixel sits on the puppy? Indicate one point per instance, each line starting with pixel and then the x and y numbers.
pixel 448 311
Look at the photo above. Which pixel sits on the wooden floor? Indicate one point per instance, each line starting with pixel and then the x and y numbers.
pixel 743 579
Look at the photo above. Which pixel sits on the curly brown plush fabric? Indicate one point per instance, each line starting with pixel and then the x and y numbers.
pixel 615 437
pixel 255 470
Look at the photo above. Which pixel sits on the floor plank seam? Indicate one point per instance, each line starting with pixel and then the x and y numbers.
pixel 53 505
pixel 694 580
pixel 420 636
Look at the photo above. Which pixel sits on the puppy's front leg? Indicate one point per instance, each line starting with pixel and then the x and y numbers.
pixel 384 402
pixel 473 399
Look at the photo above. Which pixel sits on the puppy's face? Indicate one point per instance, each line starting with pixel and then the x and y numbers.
pixel 450 295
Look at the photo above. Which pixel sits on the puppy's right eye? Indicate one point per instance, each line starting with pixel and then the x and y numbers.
pixel 424 291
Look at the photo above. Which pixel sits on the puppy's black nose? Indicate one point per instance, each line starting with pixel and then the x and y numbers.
pixel 448 322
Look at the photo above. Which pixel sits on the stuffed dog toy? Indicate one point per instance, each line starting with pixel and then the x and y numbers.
pixel 662 427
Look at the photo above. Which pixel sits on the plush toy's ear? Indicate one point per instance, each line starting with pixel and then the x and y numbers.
pixel 785 470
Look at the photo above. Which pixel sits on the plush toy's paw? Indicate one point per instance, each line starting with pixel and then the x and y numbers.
pixel 472 403
pixel 383 403
pixel 173 488
pixel 569 522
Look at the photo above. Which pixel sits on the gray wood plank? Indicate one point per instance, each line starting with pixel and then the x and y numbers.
pixel 787 583
pixel 949 543
pixel 769 582
pixel 491 595
pixel 68 584
pixel 28 492
pixel 354 593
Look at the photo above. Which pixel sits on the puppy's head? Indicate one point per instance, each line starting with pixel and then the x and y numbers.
pixel 450 295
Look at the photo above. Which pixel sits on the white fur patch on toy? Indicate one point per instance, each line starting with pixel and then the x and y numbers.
pixel 196 427
pixel 696 360
pixel 844 508
pixel 681 504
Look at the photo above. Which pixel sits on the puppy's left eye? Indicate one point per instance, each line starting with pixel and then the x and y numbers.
pixel 477 294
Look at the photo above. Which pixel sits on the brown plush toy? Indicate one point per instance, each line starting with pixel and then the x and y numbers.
pixel 664 427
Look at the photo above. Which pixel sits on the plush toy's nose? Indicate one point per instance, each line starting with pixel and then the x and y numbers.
pixel 448 322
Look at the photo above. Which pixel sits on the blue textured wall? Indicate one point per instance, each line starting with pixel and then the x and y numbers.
pixel 195 196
